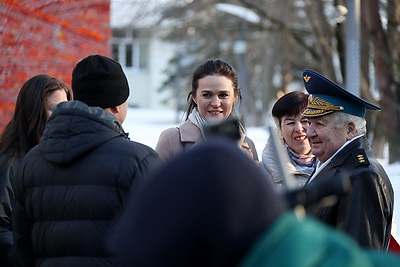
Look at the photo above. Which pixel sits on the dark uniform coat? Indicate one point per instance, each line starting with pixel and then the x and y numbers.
pixel 365 211
pixel 71 186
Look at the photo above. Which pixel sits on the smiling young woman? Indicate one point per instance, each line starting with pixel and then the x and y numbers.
pixel 212 98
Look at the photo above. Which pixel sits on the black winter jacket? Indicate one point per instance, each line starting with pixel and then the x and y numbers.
pixel 72 185
pixel 8 172
pixel 365 211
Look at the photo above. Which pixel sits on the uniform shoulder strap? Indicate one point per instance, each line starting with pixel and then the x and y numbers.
pixel 360 157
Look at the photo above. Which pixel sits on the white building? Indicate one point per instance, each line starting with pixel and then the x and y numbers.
pixel 138 47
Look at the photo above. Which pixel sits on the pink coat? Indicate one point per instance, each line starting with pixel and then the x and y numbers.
pixel 173 141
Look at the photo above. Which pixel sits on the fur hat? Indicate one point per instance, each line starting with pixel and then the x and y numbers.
pixel 99 81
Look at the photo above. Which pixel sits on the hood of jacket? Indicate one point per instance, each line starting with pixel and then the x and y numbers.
pixel 74 129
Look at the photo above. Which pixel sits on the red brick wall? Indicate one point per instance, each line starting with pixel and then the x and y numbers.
pixel 47 37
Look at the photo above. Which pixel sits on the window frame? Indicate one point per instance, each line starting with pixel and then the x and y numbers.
pixel 139 59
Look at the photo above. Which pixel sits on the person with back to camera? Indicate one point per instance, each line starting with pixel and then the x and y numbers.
pixel 72 185
pixel 292 127
pixel 212 98
pixel 337 134
pixel 226 214
pixel 35 101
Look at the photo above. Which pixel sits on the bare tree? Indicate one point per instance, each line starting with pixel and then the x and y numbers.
pixel 385 42
pixel 292 35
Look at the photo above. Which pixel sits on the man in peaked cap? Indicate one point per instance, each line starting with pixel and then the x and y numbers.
pixel 73 184
pixel 336 131
pixel 224 212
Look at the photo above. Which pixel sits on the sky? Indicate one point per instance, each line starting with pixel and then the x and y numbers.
pixel 145 126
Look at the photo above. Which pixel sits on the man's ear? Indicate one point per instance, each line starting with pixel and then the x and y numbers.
pixel 351 130
pixel 114 109
pixel 351 127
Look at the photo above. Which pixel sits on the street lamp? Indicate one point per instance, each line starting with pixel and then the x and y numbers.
pixel 353 47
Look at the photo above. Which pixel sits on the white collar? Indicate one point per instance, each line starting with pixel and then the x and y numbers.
pixel 321 165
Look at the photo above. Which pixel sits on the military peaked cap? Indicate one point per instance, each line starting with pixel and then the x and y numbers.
pixel 327 97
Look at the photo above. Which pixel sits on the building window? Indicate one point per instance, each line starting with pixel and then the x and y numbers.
pixel 115 52
pixel 130 50
pixel 129 55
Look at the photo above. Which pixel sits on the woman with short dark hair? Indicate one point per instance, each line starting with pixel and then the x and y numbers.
pixel 292 128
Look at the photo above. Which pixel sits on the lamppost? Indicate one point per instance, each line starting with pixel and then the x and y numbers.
pixel 350 14
pixel 353 47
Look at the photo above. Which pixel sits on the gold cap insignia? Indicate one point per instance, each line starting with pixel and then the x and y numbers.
pixel 306 78
pixel 318 107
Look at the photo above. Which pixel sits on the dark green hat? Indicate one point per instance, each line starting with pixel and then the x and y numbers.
pixel 327 97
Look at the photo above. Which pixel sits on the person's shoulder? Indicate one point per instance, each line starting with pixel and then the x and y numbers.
pixel 185 132
pixel 170 131
pixel 141 146
pixel 32 153
pixel 170 136
pixel 366 169
pixel 251 146
pixel 360 158
pixel 137 145
pixel 125 145
pixel 351 156
pixel 186 128
pixel 249 141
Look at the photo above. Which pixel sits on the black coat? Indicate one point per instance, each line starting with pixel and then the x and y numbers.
pixel 364 211
pixel 72 185
pixel 8 172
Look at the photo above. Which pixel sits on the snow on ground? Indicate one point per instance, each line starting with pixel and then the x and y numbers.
pixel 145 126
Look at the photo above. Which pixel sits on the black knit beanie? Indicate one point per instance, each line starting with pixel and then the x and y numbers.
pixel 99 81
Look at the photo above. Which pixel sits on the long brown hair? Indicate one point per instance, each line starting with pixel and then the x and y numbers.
pixel 26 126
pixel 210 68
